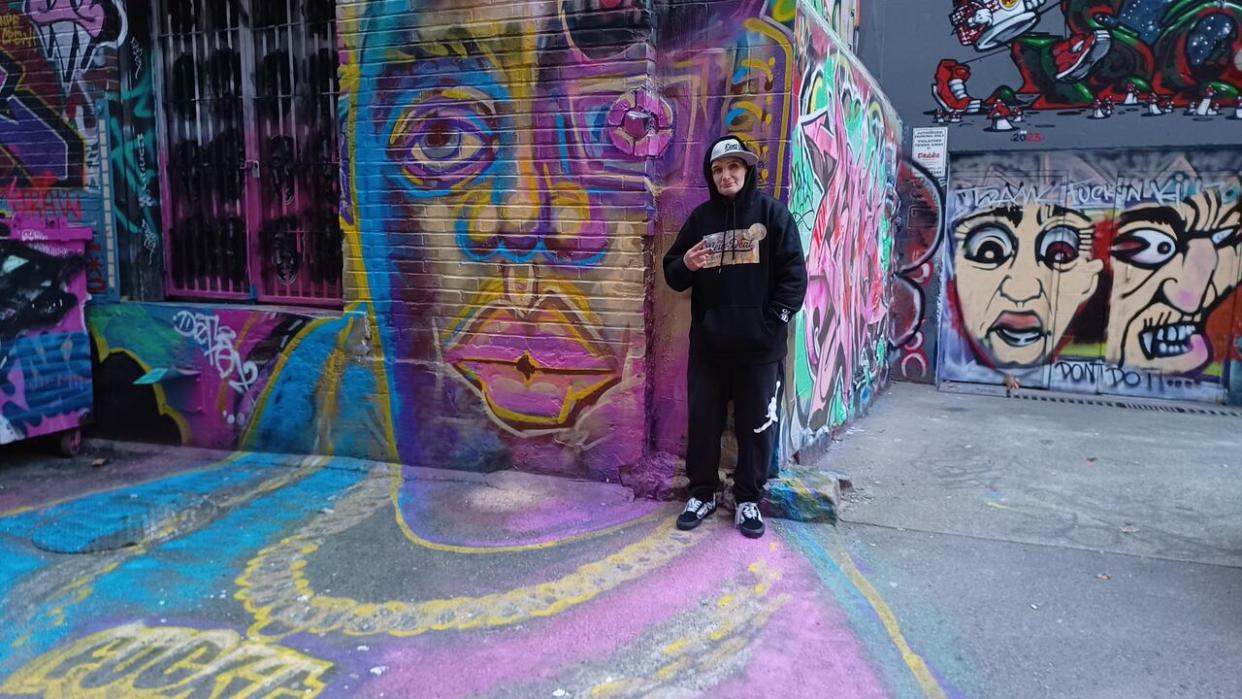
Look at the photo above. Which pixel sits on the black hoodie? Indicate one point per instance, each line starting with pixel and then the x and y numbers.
pixel 753 283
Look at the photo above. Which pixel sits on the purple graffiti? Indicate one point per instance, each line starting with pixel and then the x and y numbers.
pixel 72 30
pixel 38 144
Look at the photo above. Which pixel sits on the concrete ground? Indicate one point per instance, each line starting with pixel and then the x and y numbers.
pixel 1053 549
pixel 990 548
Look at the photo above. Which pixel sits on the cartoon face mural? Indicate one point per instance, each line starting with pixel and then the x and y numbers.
pixel 1010 263
pixel 519 166
pixel 496 190
pixel 1100 273
pixel 1173 265
pixel 501 181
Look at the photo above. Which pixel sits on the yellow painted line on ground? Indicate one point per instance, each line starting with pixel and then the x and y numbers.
pixel 927 682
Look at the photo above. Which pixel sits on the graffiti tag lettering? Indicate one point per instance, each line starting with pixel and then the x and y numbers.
pixel 135 661
pixel 218 344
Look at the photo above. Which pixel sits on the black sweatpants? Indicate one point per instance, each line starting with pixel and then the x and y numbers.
pixel 755 392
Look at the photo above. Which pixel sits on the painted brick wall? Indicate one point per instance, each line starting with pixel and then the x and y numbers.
pixel 511 175
pixel 54 235
pixel 56 71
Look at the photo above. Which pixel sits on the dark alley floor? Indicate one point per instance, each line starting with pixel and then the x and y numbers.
pixel 990 548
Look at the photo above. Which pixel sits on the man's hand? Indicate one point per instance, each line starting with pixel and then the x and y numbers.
pixel 697 256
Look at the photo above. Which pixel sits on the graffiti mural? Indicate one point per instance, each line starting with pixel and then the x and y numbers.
pixel 1109 273
pixel 916 283
pixel 235 577
pixel 501 200
pixel 45 360
pixel 51 76
pixel 845 157
pixel 134 161
pixel 841 15
pixel 1129 57
pixel 183 374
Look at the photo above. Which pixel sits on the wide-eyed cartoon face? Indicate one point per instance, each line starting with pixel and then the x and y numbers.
pixel 1021 274
pixel 1172 266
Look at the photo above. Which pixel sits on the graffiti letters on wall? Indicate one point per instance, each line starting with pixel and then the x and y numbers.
pixel 186 374
pixel 50 58
pixel 45 356
pixel 841 15
pixel 914 311
pixel 1138 58
pixel 134 160
pixel 1110 273
pixel 845 157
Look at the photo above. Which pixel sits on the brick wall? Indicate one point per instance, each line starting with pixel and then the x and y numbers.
pixel 54 238
pixel 511 175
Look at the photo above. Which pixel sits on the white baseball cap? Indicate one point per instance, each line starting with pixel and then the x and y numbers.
pixel 733 148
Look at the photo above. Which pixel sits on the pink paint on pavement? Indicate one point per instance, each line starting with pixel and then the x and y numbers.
pixel 806 643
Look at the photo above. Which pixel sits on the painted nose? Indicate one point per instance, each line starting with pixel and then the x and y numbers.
pixel 1187 290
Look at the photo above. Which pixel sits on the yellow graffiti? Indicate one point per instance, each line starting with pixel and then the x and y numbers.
pixel 138 662
pixel 275 590
pixel 927 681
pixel 741 611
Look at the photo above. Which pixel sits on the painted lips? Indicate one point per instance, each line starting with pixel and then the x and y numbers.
pixel 1168 340
pixel 535 367
pixel 1018 329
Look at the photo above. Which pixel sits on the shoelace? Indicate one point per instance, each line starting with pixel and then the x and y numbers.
pixel 749 510
pixel 695 505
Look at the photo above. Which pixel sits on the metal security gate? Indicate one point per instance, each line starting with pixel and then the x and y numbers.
pixel 249 118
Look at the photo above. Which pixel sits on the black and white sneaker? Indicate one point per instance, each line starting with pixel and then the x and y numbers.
pixel 749 520
pixel 696 511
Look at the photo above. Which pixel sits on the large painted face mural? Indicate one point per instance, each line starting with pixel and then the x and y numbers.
pixel 1011 262
pixel 1100 273
pixel 505 182
pixel 1173 266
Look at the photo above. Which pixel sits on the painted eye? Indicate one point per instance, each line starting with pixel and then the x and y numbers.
pixel 447 145
pixel 1147 248
pixel 1226 237
pixel 989 245
pixel 1058 246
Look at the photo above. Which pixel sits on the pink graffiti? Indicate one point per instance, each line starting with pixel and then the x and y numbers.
pixel 87 14
pixel 43 201
pixel 845 303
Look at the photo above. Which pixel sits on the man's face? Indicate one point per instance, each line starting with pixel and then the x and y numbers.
pixel 1021 274
pixel 729 175
pixel 1173 265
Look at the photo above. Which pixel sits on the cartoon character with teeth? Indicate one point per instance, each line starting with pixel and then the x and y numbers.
pixel 1020 275
pixel 1173 265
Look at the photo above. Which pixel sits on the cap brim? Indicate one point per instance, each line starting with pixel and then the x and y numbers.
pixel 743 155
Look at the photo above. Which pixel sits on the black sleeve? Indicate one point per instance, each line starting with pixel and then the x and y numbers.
pixel 788 270
pixel 676 274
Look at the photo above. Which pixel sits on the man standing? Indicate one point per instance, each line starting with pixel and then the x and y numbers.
pixel 741 254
